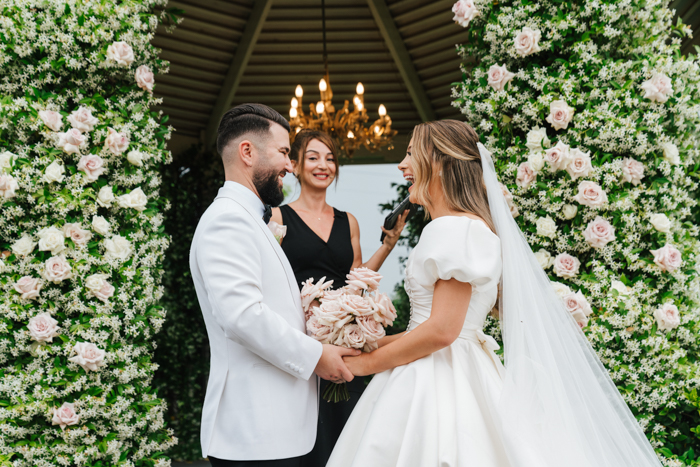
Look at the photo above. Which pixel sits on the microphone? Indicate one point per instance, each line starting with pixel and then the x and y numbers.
pixel 393 217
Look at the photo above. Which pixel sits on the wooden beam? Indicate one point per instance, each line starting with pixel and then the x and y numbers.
pixel 235 72
pixel 403 61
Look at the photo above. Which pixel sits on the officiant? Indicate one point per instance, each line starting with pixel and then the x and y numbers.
pixel 323 241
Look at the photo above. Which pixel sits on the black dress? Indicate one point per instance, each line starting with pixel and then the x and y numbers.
pixel 310 256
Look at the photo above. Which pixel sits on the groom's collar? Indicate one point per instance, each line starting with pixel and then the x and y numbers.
pixel 245 196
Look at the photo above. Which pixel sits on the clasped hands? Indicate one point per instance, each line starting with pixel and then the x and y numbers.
pixel 338 364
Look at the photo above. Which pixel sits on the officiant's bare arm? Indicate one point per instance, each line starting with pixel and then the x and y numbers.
pixel 449 309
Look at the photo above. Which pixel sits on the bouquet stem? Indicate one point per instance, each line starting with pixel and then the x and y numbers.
pixel 336 392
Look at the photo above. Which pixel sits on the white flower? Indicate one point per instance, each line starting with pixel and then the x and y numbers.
pixel 55 172
pixel 98 287
pixel 527 41
pixel 6 159
pixel 544 258
pixel 77 234
pixel 569 211
pixel 668 258
pixel 499 76
pixel 546 227
pixel 105 196
pixel 100 225
pixel 144 78
pixel 135 157
pixel 536 160
pixel 591 194
pixel 621 288
pixel 661 222
pixel 599 233
pixel 82 120
pixel 51 119
pixel 136 199
pixel 57 269
pixel 579 163
pixel 561 289
pixel 92 166
pixel 42 327
pixel 658 88
pixel 88 356
pixel 120 53
pixel 632 171
pixel 116 142
pixel 8 186
pixel 526 175
pixel 537 139
pixel 667 317
pixel 465 11
pixel 118 247
pixel 671 152
pixel 560 115
pixel 65 416
pixel 23 246
pixel 70 141
pixel 51 239
pixel 28 287
pixel 566 266
pixel 557 157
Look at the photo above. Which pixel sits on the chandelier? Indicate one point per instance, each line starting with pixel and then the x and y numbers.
pixel 348 129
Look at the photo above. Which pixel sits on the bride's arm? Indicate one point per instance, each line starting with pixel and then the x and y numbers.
pixel 389 339
pixel 449 309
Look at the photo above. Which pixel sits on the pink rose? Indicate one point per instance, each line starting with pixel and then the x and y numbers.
pixel 88 356
pixel 51 119
pixel 57 269
pixel 509 199
pixel 632 171
pixel 28 287
pixel 591 194
pixel 371 328
pixel 311 291
pixel 557 157
pixel 116 142
pixel 92 165
pixel 579 164
pixel 526 175
pixel 385 313
pixel 278 231
pixel 144 78
pixel 355 305
pixel 76 233
pixel 70 141
pixel 576 304
pixel 43 328
pixel 320 332
pixel 350 336
pixel 98 286
pixel 120 53
pixel 668 258
pixel 599 233
pixel 8 186
pixel 331 313
pixel 667 317
pixel 65 416
pixel 465 11
pixel 499 76
pixel 658 88
pixel 560 115
pixel 566 266
pixel 82 120
pixel 363 279
pixel 334 294
pixel 527 41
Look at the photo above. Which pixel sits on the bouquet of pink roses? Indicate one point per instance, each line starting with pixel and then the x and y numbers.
pixel 353 316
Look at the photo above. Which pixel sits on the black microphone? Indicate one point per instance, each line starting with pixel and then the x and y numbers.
pixel 393 217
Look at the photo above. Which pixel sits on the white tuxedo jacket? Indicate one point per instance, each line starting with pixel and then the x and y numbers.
pixel 261 399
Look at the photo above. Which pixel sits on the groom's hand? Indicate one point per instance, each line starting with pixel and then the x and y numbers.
pixel 331 365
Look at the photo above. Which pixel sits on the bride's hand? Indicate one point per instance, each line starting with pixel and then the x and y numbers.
pixel 358 366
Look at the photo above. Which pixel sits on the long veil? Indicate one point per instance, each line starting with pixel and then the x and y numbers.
pixel 559 407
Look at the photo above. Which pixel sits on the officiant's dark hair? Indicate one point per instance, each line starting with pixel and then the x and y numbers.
pixel 247 118
pixel 449 147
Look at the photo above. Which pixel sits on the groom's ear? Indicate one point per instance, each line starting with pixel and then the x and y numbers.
pixel 246 152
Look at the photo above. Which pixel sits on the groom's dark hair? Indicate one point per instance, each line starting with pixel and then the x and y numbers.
pixel 247 118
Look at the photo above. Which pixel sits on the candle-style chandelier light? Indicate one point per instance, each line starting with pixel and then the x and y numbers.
pixel 348 129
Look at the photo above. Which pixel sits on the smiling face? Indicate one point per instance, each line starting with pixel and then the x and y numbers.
pixel 319 167
pixel 272 164
pixel 407 170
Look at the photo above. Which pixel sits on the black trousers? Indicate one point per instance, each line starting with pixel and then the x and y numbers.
pixel 293 462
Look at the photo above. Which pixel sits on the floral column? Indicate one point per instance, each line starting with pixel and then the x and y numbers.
pixel 80 233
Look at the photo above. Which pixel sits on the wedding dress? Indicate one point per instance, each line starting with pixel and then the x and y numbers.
pixel 552 405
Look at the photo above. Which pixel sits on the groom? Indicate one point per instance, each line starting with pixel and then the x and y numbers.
pixel 261 403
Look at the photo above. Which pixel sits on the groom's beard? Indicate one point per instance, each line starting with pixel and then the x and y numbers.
pixel 267 184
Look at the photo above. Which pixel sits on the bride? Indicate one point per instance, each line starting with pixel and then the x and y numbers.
pixel 440 396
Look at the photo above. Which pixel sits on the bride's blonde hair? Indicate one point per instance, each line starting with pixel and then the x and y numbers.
pixel 450 148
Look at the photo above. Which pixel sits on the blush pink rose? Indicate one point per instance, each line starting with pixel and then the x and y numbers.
pixel 351 336
pixel 334 294
pixel 331 313
pixel 43 328
pixel 499 76
pixel 51 119
pixel 65 416
pixel 667 317
pixel 355 305
pixel 668 258
pixel 278 231
pixel 576 304
pixel 311 291
pixel 82 120
pixel 591 194
pixel 120 53
pixel 8 186
pixel 557 157
pixel 526 175
pixel 566 266
pixel 560 115
pixel 527 41
pixel 372 330
pixel 465 11
pixel 385 313
pixel 320 332
pixel 363 279
pixel 599 233
pixel 70 141
pixel 658 88
pixel 509 199
pixel 57 269
pixel 28 287
pixel 116 142
pixel 88 356
pixel 92 165
pixel 632 171
pixel 579 163
pixel 144 78
pixel 76 233
pixel 98 286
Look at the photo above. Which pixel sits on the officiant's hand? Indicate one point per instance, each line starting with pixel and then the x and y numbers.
pixel 331 365
pixel 393 235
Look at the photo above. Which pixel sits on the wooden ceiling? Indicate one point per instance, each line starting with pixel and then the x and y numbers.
pixel 226 53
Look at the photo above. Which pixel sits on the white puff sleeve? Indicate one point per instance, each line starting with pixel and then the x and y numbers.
pixel 459 248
